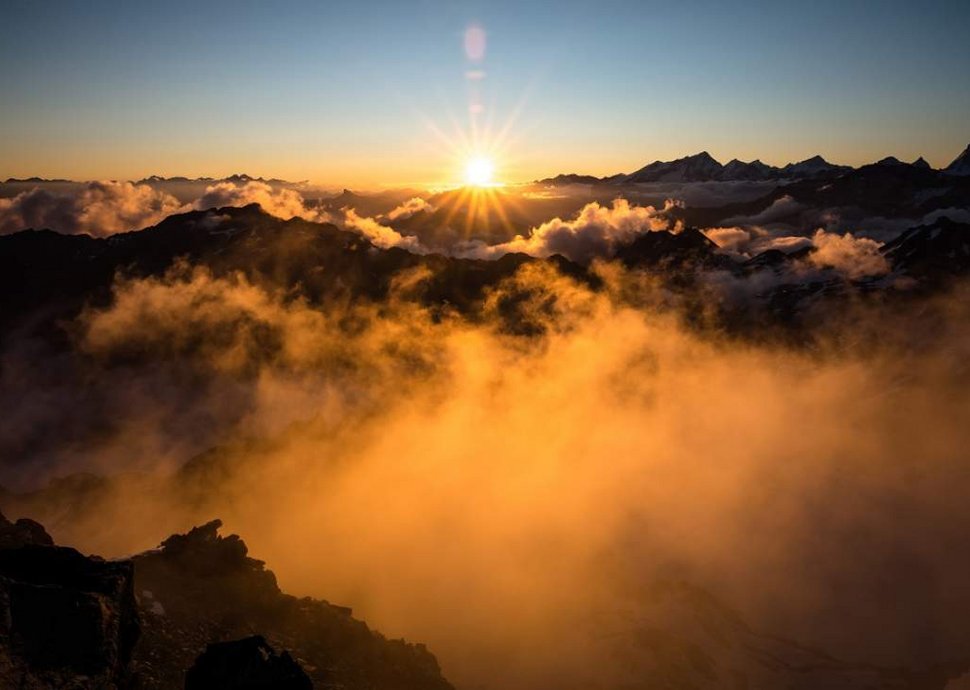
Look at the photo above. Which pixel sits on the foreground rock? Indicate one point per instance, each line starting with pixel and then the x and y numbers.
pixel 73 621
pixel 66 620
pixel 249 664
pixel 200 587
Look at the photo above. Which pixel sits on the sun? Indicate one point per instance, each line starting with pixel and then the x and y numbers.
pixel 479 171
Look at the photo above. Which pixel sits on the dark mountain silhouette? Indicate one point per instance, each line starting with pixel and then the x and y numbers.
pixel 571 178
pixel 960 165
pixel 739 170
pixel 932 252
pixel 15 180
pixel 236 178
pixel 47 278
pixel 812 167
pixel 702 167
pixel 672 250
pixel 887 190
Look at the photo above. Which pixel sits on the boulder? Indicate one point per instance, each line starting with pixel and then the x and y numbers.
pixel 66 620
pixel 246 664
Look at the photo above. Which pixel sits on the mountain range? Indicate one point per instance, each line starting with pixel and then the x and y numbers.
pixel 46 277
pixel 702 167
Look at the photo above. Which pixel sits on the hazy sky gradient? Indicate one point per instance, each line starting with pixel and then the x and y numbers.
pixel 342 93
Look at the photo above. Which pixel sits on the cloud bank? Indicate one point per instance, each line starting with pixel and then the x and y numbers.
pixel 97 208
pixel 596 232
pixel 105 208
pixel 498 495
pixel 381 235
pixel 280 202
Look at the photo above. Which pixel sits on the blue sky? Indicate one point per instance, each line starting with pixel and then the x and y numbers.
pixel 343 93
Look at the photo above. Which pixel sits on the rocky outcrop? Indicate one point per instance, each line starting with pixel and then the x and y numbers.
pixel 24 532
pixel 66 620
pixel 247 664
pixel 202 609
pixel 200 587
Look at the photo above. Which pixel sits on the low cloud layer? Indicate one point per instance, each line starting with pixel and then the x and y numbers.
pixel 380 235
pixel 280 202
pixel 105 208
pixel 854 257
pixel 97 208
pixel 499 496
pixel 596 232
pixel 409 208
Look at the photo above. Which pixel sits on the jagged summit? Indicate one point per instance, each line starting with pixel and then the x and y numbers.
pixel 703 167
pixel 697 168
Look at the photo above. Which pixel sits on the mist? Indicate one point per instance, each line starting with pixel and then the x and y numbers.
pixel 515 500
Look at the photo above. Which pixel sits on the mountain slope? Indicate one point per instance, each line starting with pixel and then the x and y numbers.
pixel 960 165
pixel 200 587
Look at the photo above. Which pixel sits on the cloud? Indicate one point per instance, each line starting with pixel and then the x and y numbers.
pixel 744 243
pixel 596 232
pixel 381 235
pixel 105 208
pixel 96 208
pixel 409 208
pixel 786 243
pixel 451 470
pixel 732 240
pixel 280 202
pixel 854 257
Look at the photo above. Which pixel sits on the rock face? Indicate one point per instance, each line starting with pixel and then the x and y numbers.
pixel 932 252
pixel 247 664
pixel 66 620
pixel 200 587
pixel 73 621
pixel 22 533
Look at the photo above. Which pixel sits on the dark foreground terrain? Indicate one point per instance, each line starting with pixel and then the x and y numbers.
pixel 198 612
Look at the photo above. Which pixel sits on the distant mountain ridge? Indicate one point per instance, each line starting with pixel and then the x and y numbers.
pixel 702 167
pixel 236 178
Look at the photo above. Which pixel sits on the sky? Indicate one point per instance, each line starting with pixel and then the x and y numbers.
pixel 372 94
